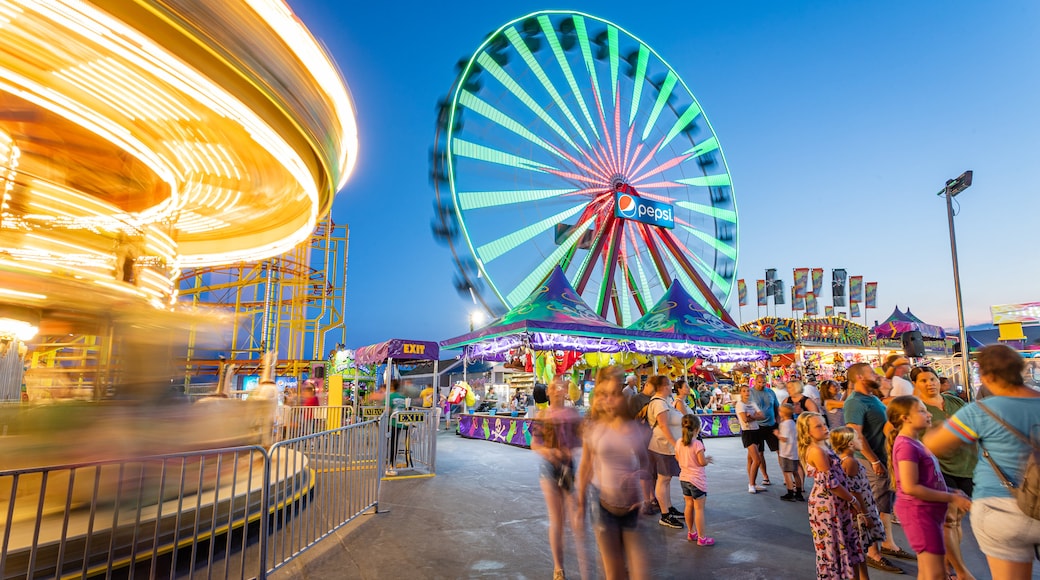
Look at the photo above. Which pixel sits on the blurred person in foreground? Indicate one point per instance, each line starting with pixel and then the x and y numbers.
pixel 1008 537
pixel 613 462
pixel 556 436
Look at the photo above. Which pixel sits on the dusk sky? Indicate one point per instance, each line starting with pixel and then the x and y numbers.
pixel 839 122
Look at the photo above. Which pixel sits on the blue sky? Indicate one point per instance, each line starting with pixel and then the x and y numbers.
pixel 839 121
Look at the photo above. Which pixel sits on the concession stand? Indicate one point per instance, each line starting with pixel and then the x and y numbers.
pixel 554 318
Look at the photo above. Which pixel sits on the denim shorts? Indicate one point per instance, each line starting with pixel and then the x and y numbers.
pixel 561 474
pixel 692 490
pixel 606 520
pixel 1003 531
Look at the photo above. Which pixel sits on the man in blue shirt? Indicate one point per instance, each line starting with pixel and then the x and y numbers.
pixel 765 399
pixel 865 414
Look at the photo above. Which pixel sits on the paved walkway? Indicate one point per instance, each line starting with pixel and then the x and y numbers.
pixel 483 516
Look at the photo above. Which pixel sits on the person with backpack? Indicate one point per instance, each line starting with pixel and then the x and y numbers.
pixel 1005 512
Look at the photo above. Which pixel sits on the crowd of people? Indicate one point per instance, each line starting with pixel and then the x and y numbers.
pixel 875 454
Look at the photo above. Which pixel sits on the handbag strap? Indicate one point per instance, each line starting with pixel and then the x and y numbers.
pixel 1010 429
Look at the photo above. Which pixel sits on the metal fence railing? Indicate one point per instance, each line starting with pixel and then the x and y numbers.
pixel 227 513
pixel 298 421
pixel 412 441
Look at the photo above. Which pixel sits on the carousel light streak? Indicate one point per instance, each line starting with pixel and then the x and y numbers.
pixel 20 294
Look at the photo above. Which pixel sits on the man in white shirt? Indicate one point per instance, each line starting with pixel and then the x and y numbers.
pixel 897 367
pixel 810 390
pixel 631 386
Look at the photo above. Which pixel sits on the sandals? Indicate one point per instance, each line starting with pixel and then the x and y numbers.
pixel 767 482
pixel 884 564
pixel 898 553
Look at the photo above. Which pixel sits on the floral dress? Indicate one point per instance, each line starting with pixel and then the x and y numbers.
pixel 837 543
pixel 871 529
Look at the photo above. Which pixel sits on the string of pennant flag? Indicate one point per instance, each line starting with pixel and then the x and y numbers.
pixel 807 291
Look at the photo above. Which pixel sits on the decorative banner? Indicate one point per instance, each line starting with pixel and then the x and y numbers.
pixel 797 302
pixel 871 300
pixel 811 306
pixel 856 289
pixel 760 288
pixel 854 307
pixel 741 293
pixel 833 330
pixel 828 311
pixel 778 291
pixel 1026 312
pixel 838 276
pixel 801 276
pixel 817 281
pixel 842 314
pixel 770 276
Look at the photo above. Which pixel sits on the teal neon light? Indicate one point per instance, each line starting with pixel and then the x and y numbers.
pixel 586 53
pixel 565 66
pixel 482 199
pixel 477 105
pixel 662 100
pixel 475 151
pixel 724 248
pixel 689 115
pixel 524 288
pixel 496 248
pixel 720 180
pixel 521 47
pixel 612 42
pixel 727 215
pixel 637 82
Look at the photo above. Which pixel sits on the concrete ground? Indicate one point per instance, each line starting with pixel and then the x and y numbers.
pixel 483 516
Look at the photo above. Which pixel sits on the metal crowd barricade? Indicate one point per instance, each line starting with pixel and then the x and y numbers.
pixel 416 441
pixel 344 466
pixel 160 516
pixel 299 421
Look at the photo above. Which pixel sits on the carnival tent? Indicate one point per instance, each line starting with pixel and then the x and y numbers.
pixel 553 317
pixel 899 322
pixel 685 329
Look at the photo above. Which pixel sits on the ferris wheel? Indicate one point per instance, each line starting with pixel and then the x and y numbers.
pixel 567 140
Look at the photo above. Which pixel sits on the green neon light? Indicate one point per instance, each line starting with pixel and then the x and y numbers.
pixel 726 249
pixel 624 295
pixel 612 43
pixel 521 47
pixel 644 284
pixel 524 288
pixel 720 180
pixel 707 146
pixel 662 100
pixel 496 248
pixel 480 199
pixel 687 283
pixel 710 273
pixel 513 87
pixel 717 213
pixel 586 53
pixel 689 115
pixel 638 80
pixel 565 66
pixel 478 105
pixel 474 151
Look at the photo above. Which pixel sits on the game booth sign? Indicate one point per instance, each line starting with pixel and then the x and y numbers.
pixel 824 346
pixel 554 318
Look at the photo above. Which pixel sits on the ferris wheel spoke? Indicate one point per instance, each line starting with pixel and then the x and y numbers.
pixel 678 254
pixel 561 59
pixel 702 148
pixel 479 106
pixel 699 263
pixel 644 285
pixel 491 250
pixel 517 91
pixel 636 296
pixel 521 48
pixel 612 46
pixel 726 215
pixel 610 264
pixel 617 137
pixel 687 281
pixel 655 254
pixel 724 248
pixel 483 199
pixel 637 85
pixel 625 160
pixel 479 152
pixel 720 180
pixel 601 150
pixel 673 162
pixel 682 122
pixel 646 158
pixel 662 99
pixel 586 53
pixel 538 273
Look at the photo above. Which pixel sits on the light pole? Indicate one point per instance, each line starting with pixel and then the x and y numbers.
pixel 476 318
pixel 953 187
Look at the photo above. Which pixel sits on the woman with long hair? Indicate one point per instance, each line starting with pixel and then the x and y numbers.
pixel 556 436
pixel 748 415
pixel 1008 537
pixel 831 397
pixel 612 467
pixel 956 467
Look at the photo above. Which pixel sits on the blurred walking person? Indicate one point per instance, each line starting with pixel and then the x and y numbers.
pixel 555 436
pixel 614 459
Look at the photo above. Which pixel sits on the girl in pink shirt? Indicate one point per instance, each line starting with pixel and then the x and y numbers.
pixel 689 452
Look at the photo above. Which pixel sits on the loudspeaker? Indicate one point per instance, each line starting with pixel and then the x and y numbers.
pixel 913 344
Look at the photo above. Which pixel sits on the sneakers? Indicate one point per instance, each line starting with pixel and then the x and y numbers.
pixel 691 536
pixel 705 541
pixel 670 521
pixel 674 512
pixel 559 575
pixel 760 488
pixel 789 496
pixel 650 508
pixel 884 564
pixel 798 496
pixel 751 489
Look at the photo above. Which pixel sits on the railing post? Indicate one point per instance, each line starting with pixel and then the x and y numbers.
pixel 265 511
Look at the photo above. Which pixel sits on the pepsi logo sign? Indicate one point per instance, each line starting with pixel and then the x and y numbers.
pixel 626 206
